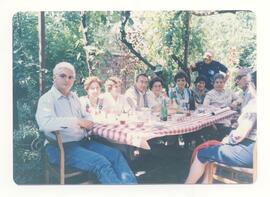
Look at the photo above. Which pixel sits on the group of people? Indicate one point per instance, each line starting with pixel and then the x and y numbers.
pixel 61 109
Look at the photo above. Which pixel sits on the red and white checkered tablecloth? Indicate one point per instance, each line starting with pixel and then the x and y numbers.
pixel 133 135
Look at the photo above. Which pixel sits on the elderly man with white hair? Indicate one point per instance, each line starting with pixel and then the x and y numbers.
pixel 59 109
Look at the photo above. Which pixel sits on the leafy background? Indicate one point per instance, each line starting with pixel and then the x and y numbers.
pixel 155 35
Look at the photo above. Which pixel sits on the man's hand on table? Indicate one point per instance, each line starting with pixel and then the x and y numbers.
pixel 87 124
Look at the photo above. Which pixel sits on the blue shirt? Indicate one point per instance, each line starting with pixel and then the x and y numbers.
pixel 209 70
pixel 58 112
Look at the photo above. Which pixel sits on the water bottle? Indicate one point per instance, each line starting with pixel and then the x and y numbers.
pixel 163 110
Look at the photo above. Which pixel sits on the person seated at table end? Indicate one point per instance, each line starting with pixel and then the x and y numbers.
pixel 60 109
pixel 235 150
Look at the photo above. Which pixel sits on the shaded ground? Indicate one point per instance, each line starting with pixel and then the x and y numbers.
pixel 162 165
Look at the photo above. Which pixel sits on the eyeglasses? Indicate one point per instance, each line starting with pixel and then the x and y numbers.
pixel 157 86
pixel 64 76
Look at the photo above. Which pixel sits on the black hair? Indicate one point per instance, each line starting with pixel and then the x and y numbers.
pixel 201 78
pixel 180 75
pixel 154 80
pixel 142 74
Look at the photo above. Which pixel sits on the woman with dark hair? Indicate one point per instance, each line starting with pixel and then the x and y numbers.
pixel 199 91
pixel 181 95
pixel 156 94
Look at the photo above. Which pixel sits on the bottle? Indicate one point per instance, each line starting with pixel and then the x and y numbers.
pixel 181 141
pixel 171 94
pixel 163 110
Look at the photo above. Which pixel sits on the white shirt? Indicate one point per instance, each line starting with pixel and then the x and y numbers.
pixel 87 107
pixel 58 112
pixel 219 99
pixel 112 105
pixel 131 97
pixel 154 100
pixel 216 100
pixel 247 124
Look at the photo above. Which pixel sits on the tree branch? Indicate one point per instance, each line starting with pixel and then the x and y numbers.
pixel 177 61
pixel 125 18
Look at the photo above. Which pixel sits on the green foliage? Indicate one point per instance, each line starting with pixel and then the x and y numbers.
pixel 27 156
pixel 25 49
pixel 156 35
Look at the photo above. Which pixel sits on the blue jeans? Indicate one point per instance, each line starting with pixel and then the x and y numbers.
pixel 235 155
pixel 105 162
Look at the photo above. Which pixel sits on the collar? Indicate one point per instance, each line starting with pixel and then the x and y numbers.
pixel 219 92
pixel 58 94
pixel 180 91
pixel 200 91
pixel 141 93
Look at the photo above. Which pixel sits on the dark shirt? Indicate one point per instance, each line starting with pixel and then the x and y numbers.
pixel 199 95
pixel 209 70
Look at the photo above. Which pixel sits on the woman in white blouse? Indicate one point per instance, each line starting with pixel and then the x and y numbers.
pixel 113 101
pixel 218 98
pixel 156 94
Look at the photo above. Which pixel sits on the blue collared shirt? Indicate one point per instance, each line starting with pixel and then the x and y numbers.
pixel 58 112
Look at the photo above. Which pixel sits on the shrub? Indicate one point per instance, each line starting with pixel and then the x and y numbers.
pixel 27 156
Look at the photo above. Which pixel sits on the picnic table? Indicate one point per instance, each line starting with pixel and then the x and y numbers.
pixel 135 134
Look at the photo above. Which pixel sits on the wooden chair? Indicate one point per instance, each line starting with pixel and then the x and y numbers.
pixel 61 173
pixel 221 173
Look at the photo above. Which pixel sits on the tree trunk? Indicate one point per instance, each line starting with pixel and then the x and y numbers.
pixel 85 41
pixel 186 42
pixel 186 37
pixel 41 34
